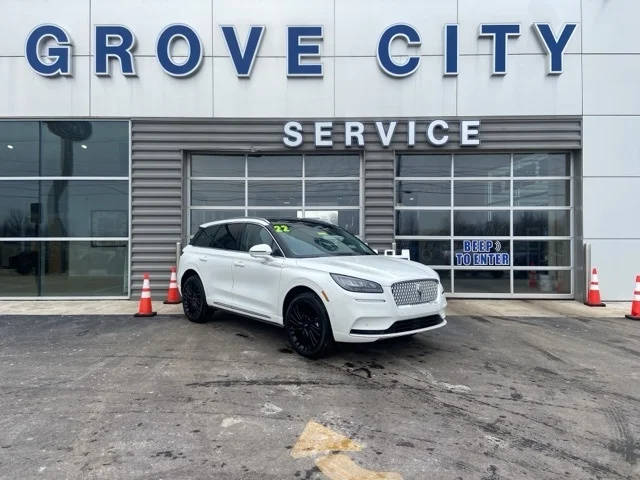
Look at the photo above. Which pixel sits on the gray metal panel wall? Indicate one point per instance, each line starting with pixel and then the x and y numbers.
pixel 160 146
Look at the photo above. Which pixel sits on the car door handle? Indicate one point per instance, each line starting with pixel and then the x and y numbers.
pixel 203 259
pixel 238 263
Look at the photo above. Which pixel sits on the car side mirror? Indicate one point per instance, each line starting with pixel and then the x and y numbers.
pixel 260 251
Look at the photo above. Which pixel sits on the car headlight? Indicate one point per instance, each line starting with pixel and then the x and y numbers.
pixel 353 284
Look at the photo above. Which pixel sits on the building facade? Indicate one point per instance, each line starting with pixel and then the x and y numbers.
pixel 494 143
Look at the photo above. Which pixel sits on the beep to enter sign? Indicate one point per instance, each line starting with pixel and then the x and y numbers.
pixel 482 253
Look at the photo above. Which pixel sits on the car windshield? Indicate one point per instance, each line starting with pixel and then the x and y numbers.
pixel 310 239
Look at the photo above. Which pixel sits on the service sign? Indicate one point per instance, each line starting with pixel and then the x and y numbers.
pixel 482 253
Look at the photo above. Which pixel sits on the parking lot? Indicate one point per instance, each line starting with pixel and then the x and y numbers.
pixel 483 398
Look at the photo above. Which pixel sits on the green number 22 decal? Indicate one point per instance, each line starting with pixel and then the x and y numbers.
pixel 281 228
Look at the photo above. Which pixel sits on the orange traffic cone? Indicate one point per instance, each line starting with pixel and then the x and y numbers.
pixel 144 307
pixel 593 299
pixel 173 296
pixel 635 305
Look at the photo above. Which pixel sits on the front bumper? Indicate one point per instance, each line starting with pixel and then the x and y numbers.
pixel 359 318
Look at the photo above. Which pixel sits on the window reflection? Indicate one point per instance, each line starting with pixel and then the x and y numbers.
pixel 423 222
pixel 482 165
pixel 423 194
pixel 482 193
pixel 81 208
pixel 64 208
pixel 63 268
pixel 540 223
pixel 481 223
pixel 541 165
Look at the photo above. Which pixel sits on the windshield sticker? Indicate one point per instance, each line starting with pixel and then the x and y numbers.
pixel 322 233
pixel 280 228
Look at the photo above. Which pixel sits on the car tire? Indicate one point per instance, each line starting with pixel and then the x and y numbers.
pixel 308 327
pixel 194 301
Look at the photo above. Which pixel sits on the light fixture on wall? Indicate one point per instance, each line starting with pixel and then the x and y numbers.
pixel 83 146
pixel 10 147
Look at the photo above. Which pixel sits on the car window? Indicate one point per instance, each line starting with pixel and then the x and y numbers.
pixel 309 239
pixel 228 236
pixel 256 235
pixel 203 237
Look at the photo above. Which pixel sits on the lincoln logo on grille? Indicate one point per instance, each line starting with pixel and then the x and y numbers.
pixel 419 291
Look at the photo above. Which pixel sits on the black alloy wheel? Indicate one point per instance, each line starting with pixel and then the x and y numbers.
pixel 308 327
pixel 194 302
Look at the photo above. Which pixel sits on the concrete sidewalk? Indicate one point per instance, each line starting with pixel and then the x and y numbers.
pixel 459 307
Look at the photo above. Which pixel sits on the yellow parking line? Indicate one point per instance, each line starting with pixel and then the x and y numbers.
pixel 340 467
pixel 316 439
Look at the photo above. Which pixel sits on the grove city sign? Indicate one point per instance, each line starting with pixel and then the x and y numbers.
pixel 49 48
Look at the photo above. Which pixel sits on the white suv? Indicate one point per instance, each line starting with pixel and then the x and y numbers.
pixel 318 281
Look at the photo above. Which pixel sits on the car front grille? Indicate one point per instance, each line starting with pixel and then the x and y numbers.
pixel 415 292
pixel 402 326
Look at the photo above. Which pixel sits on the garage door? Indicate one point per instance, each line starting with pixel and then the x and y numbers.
pixel 493 225
pixel 327 187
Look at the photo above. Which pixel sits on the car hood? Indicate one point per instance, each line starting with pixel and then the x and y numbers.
pixel 381 269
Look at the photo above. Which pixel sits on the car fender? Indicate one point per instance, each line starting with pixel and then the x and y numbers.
pixel 291 282
pixel 187 264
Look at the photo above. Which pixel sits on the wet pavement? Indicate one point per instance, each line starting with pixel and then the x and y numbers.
pixel 483 398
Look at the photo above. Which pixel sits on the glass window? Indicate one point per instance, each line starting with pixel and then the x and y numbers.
pixel 481 223
pixel 445 279
pixel 217 192
pixel 202 238
pixel 82 148
pixel 276 213
pixel 423 222
pixel 81 208
pixel 482 165
pixel 63 268
pixel 542 281
pixel 423 166
pixel 19 208
pixel 227 236
pixel 217 166
pixel 322 192
pixel 482 281
pixel 541 165
pixel 423 193
pixel 541 223
pixel 19 268
pixel 257 235
pixel 199 217
pixel 332 165
pixel 19 149
pixel 274 193
pixel 433 252
pixel 469 193
pixel 541 193
pixel 64 208
pixel 347 219
pixel 300 238
pixel 64 148
pixel 85 268
pixel 272 190
pixel 549 253
pixel 274 165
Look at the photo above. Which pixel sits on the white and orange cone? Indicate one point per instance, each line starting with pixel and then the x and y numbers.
pixel 144 306
pixel 635 305
pixel 173 295
pixel 593 299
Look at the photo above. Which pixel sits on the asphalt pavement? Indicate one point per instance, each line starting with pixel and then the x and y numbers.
pixel 483 398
